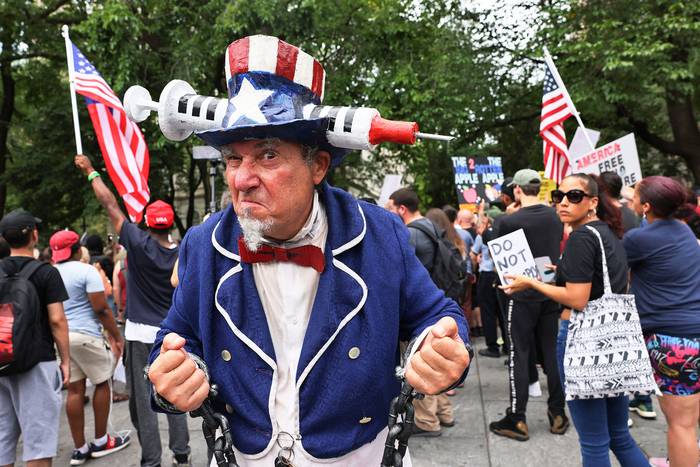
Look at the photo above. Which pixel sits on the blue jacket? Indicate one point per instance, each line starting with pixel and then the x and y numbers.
pixel 372 294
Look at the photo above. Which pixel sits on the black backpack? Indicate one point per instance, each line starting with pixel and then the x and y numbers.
pixel 449 271
pixel 20 318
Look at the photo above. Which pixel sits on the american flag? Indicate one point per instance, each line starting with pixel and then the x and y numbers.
pixel 123 146
pixel 555 109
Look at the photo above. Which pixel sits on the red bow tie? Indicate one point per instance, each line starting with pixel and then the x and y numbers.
pixel 307 255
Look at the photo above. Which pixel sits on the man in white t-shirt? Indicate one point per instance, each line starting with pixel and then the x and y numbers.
pixel 87 313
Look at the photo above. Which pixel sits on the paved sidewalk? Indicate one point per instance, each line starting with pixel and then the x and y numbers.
pixel 483 399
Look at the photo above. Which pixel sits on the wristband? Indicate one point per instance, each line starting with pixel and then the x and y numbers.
pixel 93 175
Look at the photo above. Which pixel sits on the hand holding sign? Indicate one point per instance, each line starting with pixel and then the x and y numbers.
pixel 512 257
pixel 516 283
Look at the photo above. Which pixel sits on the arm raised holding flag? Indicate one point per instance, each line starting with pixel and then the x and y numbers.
pixel 121 141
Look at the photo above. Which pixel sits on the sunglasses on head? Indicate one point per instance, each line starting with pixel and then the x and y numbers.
pixel 574 196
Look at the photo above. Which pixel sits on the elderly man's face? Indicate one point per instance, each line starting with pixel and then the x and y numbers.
pixel 271 182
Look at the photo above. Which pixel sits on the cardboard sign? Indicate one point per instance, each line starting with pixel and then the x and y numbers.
pixel 477 178
pixel 546 188
pixel 511 254
pixel 392 182
pixel 619 156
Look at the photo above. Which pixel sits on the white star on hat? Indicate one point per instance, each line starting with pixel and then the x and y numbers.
pixel 247 103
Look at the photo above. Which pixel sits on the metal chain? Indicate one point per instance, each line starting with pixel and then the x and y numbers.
pixel 399 430
pixel 221 447
pixel 400 426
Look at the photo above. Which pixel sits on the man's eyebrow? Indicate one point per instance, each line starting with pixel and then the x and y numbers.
pixel 268 143
pixel 227 153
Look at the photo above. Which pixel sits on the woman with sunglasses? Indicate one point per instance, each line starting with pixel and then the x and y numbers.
pixel 664 257
pixel 600 423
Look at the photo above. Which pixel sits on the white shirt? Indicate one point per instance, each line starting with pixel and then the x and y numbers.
pixel 287 292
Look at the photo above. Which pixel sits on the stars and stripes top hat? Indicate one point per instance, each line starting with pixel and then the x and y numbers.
pixel 269 82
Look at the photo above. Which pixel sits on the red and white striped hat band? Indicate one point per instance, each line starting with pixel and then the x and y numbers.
pixel 272 55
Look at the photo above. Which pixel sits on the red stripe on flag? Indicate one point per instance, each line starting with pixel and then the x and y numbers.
pixel 119 146
pixel 238 56
pixel 552 100
pixel 317 83
pixel 553 111
pixel 286 60
pixel 100 131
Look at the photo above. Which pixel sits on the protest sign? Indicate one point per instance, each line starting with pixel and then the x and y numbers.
pixel 392 182
pixel 618 156
pixel 511 255
pixel 476 179
pixel 546 188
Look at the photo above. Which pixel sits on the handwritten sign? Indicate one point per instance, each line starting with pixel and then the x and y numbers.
pixel 511 254
pixel 618 156
pixel 477 178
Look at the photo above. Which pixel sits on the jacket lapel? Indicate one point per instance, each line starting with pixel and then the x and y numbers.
pixel 237 294
pixel 341 292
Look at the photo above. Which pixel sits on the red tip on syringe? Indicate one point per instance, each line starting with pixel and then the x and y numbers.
pixel 392 131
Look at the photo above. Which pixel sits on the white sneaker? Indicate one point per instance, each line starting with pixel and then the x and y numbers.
pixel 535 390
pixel 629 423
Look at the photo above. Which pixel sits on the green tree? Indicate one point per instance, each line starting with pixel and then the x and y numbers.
pixel 632 65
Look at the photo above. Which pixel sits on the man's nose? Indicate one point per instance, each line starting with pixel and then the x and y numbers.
pixel 246 176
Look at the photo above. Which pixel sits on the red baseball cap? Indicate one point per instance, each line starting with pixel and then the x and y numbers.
pixel 61 243
pixel 159 215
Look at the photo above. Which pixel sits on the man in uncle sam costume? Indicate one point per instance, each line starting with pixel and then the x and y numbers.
pixel 296 298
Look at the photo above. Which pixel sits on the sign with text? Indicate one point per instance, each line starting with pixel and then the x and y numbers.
pixel 477 178
pixel 511 254
pixel 619 156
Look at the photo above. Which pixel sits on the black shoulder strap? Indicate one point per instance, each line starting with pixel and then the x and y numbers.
pixel 431 235
pixel 30 268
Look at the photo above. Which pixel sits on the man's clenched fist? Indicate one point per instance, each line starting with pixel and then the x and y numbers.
pixel 440 360
pixel 176 377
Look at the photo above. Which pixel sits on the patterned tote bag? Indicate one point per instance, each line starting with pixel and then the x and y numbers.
pixel 605 351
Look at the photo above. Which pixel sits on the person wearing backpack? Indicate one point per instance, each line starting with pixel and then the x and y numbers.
pixel 31 321
pixel 88 313
pixel 432 412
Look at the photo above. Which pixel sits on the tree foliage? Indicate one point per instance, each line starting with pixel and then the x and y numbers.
pixel 455 69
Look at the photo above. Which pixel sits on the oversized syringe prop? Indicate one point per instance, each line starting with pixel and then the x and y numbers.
pixel 181 111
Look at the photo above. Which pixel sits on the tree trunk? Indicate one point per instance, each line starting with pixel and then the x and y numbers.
pixel 684 126
pixel 6 110
pixel 686 134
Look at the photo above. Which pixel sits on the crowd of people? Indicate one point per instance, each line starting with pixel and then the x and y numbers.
pixel 648 244
pixel 96 306
pixel 322 319
pixel 101 304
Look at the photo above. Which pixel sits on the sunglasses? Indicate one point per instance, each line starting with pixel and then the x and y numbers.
pixel 574 196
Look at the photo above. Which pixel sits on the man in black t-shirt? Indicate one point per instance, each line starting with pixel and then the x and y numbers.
pixel 530 312
pixel 151 257
pixel 30 401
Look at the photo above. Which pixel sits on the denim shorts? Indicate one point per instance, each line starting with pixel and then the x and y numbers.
pixel 675 361
pixel 30 404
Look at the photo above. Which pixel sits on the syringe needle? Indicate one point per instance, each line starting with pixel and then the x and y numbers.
pixel 434 136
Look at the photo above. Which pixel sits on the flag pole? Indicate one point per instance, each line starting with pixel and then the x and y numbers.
pixel 550 63
pixel 71 80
